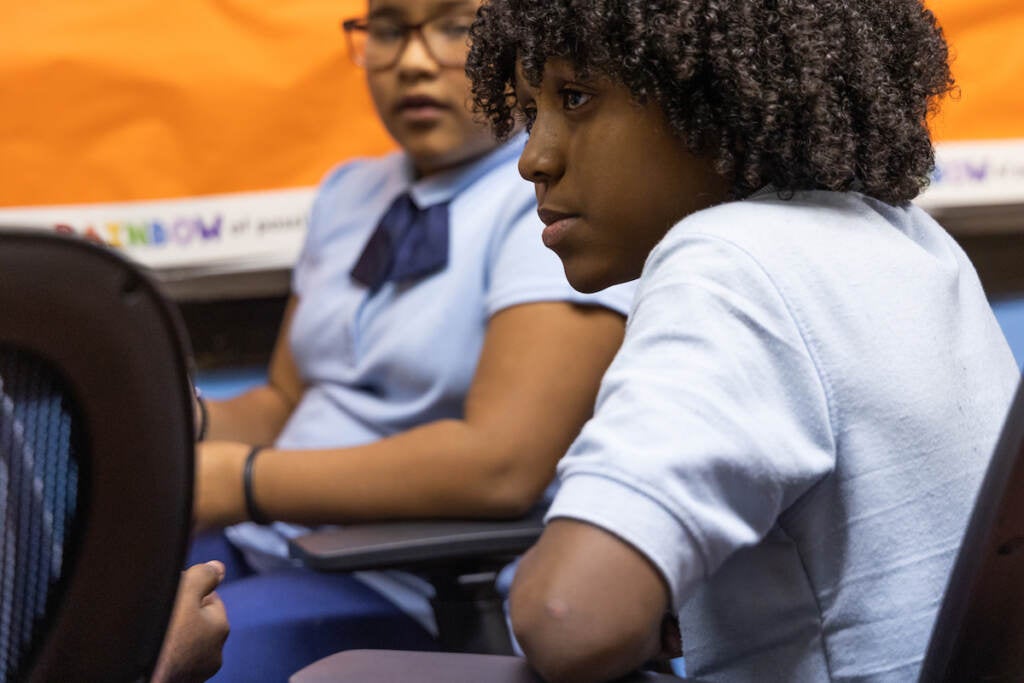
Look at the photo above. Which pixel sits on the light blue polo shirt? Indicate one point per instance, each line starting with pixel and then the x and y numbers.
pixel 794 432
pixel 376 364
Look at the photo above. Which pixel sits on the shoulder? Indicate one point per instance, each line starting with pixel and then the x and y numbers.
pixel 813 230
pixel 767 218
pixel 717 240
pixel 352 195
pixel 361 175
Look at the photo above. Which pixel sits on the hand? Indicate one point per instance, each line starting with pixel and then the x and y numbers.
pixel 199 626
pixel 219 495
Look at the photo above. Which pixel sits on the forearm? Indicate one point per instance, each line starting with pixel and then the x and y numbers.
pixel 533 389
pixel 443 469
pixel 585 606
pixel 254 417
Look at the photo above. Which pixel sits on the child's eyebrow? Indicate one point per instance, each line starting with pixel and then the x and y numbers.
pixel 455 5
pixel 386 13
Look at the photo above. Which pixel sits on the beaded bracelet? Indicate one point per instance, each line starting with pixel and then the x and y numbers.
pixel 250 501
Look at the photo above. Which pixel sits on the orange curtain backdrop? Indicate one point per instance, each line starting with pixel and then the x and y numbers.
pixel 986 40
pixel 115 100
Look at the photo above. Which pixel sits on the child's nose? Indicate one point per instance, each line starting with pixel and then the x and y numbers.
pixel 416 56
pixel 541 160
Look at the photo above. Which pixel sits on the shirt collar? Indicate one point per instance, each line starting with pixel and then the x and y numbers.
pixel 444 186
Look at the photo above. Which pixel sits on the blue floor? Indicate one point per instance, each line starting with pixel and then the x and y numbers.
pixel 1010 314
pixel 227 382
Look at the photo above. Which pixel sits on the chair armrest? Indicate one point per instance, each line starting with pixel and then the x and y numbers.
pixel 387 545
pixel 389 666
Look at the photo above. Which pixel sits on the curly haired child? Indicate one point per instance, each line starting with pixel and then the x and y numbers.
pixel 788 444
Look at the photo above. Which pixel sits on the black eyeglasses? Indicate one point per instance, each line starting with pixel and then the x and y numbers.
pixel 376 43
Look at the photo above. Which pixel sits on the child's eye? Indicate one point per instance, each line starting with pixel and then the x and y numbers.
pixel 454 29
pixel 385 31
pixel 574 99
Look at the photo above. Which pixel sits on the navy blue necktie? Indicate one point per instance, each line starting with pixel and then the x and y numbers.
pixel 408 243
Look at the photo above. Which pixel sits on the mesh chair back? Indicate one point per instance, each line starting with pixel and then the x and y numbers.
pixel 39 470
pixel 96 437
pixel 979 631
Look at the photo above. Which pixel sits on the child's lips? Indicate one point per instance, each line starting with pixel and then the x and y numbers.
pixel 419 108
pixel 559 224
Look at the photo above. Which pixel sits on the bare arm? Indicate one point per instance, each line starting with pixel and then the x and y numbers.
pixel 257 416
pixel 586 606
pixel 533 389
pixel 199 626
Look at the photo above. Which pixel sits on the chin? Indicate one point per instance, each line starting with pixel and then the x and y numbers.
pixel 589 280
pixel 426 151
pixel 440 153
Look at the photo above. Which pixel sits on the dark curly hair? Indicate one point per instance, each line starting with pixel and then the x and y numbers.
pixel 798 94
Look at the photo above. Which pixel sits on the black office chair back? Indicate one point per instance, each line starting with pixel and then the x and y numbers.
pixel 96 438
pixel 979 632
pixel 40 453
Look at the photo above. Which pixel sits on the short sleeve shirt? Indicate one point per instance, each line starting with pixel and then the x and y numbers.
pixel 794 431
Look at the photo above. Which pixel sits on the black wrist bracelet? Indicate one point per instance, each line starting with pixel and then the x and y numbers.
pixel 250 501
pixel 204 416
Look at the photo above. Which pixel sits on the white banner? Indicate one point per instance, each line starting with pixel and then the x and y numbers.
pixel 976 174
pixel 202 235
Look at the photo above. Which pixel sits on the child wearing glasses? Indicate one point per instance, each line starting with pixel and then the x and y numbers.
pixel 787 446
pixel 433 361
